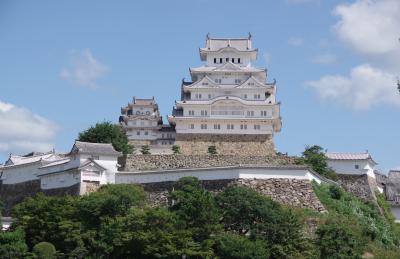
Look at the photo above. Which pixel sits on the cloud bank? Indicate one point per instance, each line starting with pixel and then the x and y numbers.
pixel 22 131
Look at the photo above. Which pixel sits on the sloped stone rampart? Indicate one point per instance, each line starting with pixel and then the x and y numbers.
pixel 292 192
pixel 239 145
pixel 363 186
pixel 159 162
pixel 12 194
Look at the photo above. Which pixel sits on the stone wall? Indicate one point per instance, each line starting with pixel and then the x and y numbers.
pixel 293 192
pixel 12 194
pixel 159 162
pixel 238 144
pixel 363 186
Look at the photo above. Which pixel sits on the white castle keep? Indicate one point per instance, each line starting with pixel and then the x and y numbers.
pixel 228 102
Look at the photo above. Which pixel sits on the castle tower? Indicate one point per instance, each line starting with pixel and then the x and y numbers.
pixel 228 102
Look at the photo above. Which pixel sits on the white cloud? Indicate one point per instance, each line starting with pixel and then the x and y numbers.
pixel 370 26
pixel 365 87
pixel 22 131
pixel 296 41
pixel 324 59
pixel 84 69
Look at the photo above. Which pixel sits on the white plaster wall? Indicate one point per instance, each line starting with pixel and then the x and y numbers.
pixel 348 167
pixel 19 174
pixel 243 93
pixel 214 174
pixel 60 180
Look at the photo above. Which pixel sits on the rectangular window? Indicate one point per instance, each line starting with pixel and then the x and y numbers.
pixel 227 59
pixel 230 126
pixel 209 96
pixel 245 96
pixel 243 126
pixel 203 126
pixel 217 126
pixel 218 80
pixel 233 60
pixel 250 113
pixel 257 127
pixel 239 60
pixel 238 81
pixel 146 133
pixel 138 133
pixel 215 60
pixel 191 126
pixel 357 167
pixel 220 60
pixel 203 113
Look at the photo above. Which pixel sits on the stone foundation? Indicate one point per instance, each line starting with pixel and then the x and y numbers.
pixel 292 192
pixel 153 162
pixel 234 144
pixel 363 186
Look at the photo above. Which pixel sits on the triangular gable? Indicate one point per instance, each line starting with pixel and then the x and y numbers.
pixel 91 166
pixel 228 66
pixel 205 82
pixel 252 82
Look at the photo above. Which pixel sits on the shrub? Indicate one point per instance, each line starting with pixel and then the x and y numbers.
pixel 145 150
pixel 176 149
pixel 44 250
pixel 238 247
pixel 12 244
pixel 212 150
pixel 335 192
pixel 336 240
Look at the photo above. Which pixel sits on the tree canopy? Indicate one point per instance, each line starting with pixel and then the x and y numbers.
pixel 314 156
pixel 107 132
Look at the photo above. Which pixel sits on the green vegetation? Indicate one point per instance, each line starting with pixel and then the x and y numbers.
pixel 44 250
pixel 107 132
pixel 212 150
pixel 176 149
pixel 145 150
pixel 314 156
pixel 117 222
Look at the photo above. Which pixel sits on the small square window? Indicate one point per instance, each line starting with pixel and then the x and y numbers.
pixel 357 167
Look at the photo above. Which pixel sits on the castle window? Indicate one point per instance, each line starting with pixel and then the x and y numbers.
pixel 218 80
pixel 230 126
pixel 209 96
pixel 264 113
pixel 203 126
pixel 203 113
pixel 239 60
pixel 191 126
pixel 243 126
pixel 257 96
pixel 257 127
pixel 162 135
pixel 220 60
pixel 233 60
pixel 250 113
pixel 204 83
pixel 146 133
pixel 357 167
pixel 138 133
pixel 245 96
pixel 227 59
pixel 215 60
pixel 238 81
pixel 217 126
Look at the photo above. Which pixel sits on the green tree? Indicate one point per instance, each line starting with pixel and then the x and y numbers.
pixel 12 244
pixel 176 149
pixel 49 218
pixel 44 250
pixel 107 132
pixel 336 240
pixel 145 150
pixel 196 207
pixel 212 150
pixel 314 156
pixel 234 246
pixel 247 212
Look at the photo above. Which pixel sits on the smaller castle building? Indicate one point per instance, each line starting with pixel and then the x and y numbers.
pixel 143 124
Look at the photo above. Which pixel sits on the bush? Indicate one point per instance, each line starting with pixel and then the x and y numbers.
pixel 145 150
pixel 12 244
pixel 212 150
pixel 176 149
pixel 336 240
pixel 237 247
pixel 44 250
pixel 314 156
pixel 335 192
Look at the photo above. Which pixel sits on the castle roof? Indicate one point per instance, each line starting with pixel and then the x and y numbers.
pixel 94 148
pixel 349 156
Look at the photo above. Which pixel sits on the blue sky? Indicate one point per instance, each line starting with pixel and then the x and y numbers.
pixel 65 65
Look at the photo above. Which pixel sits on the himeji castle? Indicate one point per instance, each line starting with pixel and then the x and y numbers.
pixel 229 103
